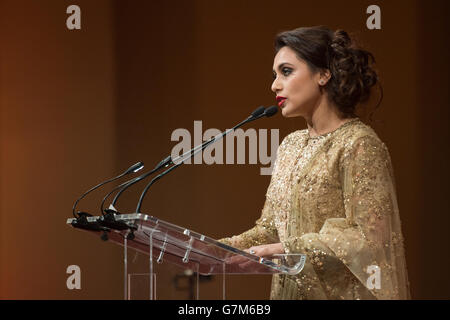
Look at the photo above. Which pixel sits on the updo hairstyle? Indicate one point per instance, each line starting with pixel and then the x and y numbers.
pixel 352 76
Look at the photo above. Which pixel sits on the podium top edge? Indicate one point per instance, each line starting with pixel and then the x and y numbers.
pixel 127 216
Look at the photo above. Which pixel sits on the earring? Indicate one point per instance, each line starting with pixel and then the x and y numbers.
pixel 321 82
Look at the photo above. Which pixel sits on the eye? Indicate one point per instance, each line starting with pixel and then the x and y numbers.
pixel 286 71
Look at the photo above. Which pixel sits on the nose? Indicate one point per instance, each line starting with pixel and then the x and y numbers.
pixel 276 85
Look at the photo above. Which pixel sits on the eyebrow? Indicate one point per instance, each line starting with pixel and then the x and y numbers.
pixel 281 66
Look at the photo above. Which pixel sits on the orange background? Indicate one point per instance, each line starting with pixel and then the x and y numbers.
pixel 79 106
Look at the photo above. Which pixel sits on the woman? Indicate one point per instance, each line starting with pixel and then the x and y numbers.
pixel 332 192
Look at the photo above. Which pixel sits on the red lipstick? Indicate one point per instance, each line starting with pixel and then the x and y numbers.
pixel 280 100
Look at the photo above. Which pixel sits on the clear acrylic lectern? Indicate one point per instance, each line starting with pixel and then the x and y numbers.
pixel 163 241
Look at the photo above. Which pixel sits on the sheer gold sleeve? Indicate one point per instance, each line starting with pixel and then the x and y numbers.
pixel 263 232
pixel 362 252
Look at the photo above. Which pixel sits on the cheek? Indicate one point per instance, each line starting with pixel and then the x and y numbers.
pixel 297 83
pixel 302 88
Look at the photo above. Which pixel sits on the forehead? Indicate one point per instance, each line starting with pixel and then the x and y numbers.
pixel 286 55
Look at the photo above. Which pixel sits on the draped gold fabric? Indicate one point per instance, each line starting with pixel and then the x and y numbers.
pixel 333 197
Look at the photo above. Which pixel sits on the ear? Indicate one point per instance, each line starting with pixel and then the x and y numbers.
pixel 324 77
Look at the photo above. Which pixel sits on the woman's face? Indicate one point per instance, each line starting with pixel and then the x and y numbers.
pixel 297 89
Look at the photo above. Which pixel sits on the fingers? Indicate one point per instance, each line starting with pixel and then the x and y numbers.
pixel 238 259
pixel 235 259
pixel 252 250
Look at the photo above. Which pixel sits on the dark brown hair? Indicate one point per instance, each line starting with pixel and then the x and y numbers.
pixel 352 76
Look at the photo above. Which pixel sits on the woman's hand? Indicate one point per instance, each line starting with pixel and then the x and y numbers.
pixel 266 250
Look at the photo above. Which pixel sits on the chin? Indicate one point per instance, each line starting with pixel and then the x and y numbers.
pixel 286 113
pixel 292 111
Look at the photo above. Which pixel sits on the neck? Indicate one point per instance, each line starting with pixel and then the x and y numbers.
pixel 325 118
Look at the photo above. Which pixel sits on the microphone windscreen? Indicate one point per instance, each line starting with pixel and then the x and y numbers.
pixel 260 110
pixel 270 111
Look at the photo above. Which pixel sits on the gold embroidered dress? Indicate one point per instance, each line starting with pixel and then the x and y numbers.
pixel 332 197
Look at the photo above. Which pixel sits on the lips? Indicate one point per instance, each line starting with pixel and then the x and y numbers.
pixel 280 100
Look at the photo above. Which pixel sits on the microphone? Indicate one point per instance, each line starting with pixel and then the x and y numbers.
pixel 258 113
pixel 270 111
pixel 253 116
pixel 134 168
pixel 81 220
